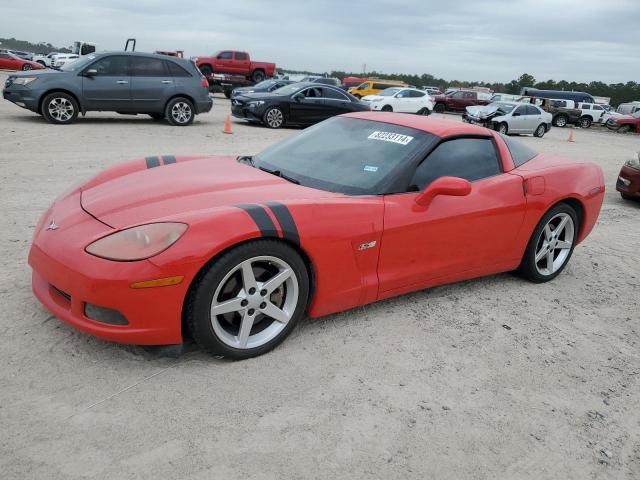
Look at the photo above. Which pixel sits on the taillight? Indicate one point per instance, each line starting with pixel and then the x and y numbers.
pixel 204 83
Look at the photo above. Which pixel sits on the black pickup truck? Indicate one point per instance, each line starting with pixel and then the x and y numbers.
pixel 562 111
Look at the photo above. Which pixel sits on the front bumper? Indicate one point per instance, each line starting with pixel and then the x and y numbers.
pixel 629 182
pixel 65 278
pixel 242 111
pixel 21 96
pixel 612 125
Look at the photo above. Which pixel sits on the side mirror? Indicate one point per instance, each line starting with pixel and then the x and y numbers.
pixel 453 186
pixel 91 72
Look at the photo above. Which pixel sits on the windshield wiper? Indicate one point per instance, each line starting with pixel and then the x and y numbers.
pixel 278 173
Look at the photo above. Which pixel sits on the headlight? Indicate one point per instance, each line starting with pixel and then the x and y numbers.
pixel 137 243
pixel 24 80
pixel 255 104
pixel 634 162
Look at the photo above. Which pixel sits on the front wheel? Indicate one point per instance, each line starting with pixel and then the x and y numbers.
pixel 425 111
pixel 273 118
pixel 26 67
pixel 387 108
pixel 439 108
pixel 551 244
pixel 540 131
pixel 624 129
pixel 59 108
pixel 179 112
pixel 503 128
pixel 248 300
pixel 585 122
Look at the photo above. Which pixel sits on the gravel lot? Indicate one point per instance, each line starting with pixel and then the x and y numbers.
pixel 494 378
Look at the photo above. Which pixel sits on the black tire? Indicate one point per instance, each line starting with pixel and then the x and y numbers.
pixel 502 128
pixel 560 121
pixel 585 122
pixel 179 112
pixel 273 117
pixel 439 108
pixel 387 108
pixel 424 111
pixel 157 116
pixel 59 108
pixel 258 75
pixel 540 131
pixel 527 268
pixel 199 301
pixel 26 67
pixel 206 70
pixel 624 129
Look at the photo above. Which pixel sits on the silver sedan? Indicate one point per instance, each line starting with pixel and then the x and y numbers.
pixel 510 117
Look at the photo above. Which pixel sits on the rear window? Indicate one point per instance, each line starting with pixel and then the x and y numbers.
pixel 520 153
pixel 176 70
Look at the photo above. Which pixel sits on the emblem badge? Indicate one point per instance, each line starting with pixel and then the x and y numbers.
pixel 52 225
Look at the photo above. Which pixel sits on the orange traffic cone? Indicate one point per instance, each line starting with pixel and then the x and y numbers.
pixel 227 124
pixel 570 139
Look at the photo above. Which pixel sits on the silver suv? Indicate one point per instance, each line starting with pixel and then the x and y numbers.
pixel 130 83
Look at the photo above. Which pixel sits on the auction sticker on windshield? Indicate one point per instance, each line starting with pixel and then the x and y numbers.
pixel 391 137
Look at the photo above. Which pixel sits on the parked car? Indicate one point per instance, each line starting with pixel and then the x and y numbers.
pixel 23 55
pixel 628 183
pixel 236 63
pixel 558 94
pixel 373 87
pixel 404 100
pixel 235 251
pixel 123 82
pixel 591 113
pixel 510 118
pixel 431 90
pixel 61 59
pixel 262 87
pixel 323 80
pixel 628 108
pixel 45 60
pixel 296 104
pixel 626 123
pixel 9 61
pixel 348 82
pixel 459 100
pixel 563 111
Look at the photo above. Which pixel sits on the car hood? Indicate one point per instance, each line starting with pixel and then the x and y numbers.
pixel 485 111
pixel 155 189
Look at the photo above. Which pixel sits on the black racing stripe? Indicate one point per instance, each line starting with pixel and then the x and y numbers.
pixel 263 220
pixel 286 221
pixel 152 162
pixel 167 159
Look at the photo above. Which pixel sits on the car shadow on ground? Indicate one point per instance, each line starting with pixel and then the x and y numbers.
pixel 121 120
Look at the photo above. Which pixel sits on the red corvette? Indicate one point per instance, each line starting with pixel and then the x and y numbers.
pixel 9 61
pixel 362 207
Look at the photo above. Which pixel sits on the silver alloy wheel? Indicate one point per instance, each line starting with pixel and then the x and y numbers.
pixel 181 112
pixel 502 128
pixel 254 302
pixel 585 123
pixel 540 131
pixel 26 67
pixel 275 118
pixel 561 121
pixel 554 244
pixel 60 109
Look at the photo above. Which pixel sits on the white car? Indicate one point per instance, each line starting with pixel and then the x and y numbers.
pixel 45 60
pixel 398 99
pixel 510 117
pixel 591 113
pixel 61 58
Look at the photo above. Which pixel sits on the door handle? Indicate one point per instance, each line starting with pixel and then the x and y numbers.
pixel 122 82
pixel 167 81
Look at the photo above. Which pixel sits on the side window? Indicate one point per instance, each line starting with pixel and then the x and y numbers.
pixel 148 67
pixel 520 153
pixel 114 66
pixel 379 86
pixel 334 94
pixel 4 55
pixel 416 94
pixel 313 92
pixel 586 106
pixel 176 70
pixel 87 49
pixel 468 158
pixel 521 110
pixel 457 95
pixel 468 95
pixel 224 56
pixel 531 110
pixel 240 56
pixel 404 94
pixel 597 107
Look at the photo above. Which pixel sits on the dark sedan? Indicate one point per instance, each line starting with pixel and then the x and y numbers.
pixel 263 87
pixel 299 104
pixel 628 183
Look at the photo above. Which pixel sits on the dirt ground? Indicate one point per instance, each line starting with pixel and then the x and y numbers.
pixel 493 378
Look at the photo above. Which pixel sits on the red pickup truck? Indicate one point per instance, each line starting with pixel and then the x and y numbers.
pixel 235 63
pixel 459 100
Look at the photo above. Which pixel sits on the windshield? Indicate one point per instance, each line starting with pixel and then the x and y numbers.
pixel 345 155
pixel 363 86
pixel 78 64
pixel 288 89
pixel 389 92
pixel 636 114
pixel 264 84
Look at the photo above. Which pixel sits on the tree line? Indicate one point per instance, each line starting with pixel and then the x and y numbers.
pixel 24 46
pixel 618 92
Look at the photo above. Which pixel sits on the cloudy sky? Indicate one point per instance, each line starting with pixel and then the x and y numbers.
pixel 492 40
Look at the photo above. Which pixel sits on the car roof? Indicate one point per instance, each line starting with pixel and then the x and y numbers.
pixel 437 127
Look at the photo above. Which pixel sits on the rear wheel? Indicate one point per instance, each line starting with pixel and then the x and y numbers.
pixel 439 107
pixel 424 111
pixel 560 121
pixel 585 122
pixel 257 76
pixel 387 108
pixel 179 112
pixel 273 118
pixel 59 108
pixel 248 300
pixel 540 131
pixel 206 70
pixel 551 244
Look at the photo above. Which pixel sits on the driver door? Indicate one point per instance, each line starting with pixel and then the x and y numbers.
pixel 109 88
pixel 308 106
pixel 453 237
